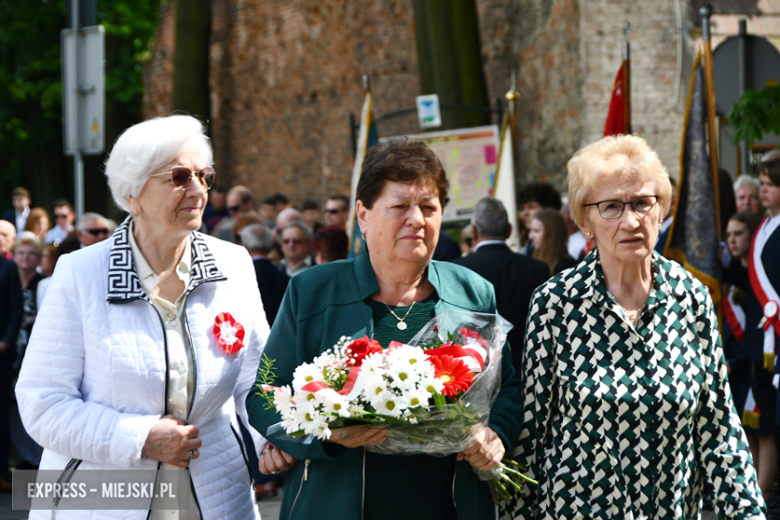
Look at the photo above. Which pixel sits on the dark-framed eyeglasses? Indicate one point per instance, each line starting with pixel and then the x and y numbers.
pixel 234 209
pixel 96 232
pixel 181 176
pixel 612 209
pixel 334 211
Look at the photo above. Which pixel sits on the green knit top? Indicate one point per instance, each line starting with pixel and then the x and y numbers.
pixel 408 487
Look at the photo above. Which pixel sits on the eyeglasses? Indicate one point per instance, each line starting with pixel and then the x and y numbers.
pixel 612 209
pixel 96 232
pixel 181 176
pixel 234 209
pixel 334 211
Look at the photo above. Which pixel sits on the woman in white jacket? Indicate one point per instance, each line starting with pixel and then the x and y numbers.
pixel 149 342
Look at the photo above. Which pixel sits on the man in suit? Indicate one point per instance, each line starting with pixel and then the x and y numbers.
pixel 20 198
pixel 11 310
pixel 514 276
pixel 271 281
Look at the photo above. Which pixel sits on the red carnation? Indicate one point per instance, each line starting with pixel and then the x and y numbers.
pixel 360 349
pixel 454 373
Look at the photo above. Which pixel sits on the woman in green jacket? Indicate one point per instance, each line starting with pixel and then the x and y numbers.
pixel 388 292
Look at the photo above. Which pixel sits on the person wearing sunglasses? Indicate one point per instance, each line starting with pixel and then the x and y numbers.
pixel 627 407
pixel 64 216
pixel 92 228
pixel 148 343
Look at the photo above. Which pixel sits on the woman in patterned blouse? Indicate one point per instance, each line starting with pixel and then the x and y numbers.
pixel 627 408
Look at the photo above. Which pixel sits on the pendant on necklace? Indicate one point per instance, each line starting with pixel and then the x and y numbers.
pixel 401 325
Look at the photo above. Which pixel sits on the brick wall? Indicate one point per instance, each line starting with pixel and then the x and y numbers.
pixel 286 74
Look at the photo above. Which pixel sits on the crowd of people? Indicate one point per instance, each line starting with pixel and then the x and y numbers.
pixel 615 393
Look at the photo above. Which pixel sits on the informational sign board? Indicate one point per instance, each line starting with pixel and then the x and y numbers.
pixel 83 90
pixel 428 111
pixel 469 156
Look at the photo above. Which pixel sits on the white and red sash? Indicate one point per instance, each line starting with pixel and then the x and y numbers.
pixel 735 316
pixel 767 297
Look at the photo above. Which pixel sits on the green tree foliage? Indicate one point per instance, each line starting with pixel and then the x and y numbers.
pixel 756 114
pixel 31 88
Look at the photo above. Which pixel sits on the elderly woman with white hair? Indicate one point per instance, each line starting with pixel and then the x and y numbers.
pixel 627 410
pixel 148 343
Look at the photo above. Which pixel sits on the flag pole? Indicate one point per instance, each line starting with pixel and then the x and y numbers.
pixel 512 96
pixel 706 12
pixel 626 80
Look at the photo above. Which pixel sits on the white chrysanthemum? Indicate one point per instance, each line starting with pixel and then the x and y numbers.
pixel 373 363
pixel 289 423
pixel 375 385
pixel 303 397
pixel 335 403
pixel 403 375
pixel 283 399
pixel 309 418
pixel 429 384
pixel 356 409
pixel 387 403
pixel 305 374
pixel 416 398
pixel 412 355
pixel 322 432
pixel 426 369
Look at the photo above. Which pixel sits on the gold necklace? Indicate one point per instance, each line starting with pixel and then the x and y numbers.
pixel 401 323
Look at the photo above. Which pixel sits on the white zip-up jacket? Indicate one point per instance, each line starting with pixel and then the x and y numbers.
pixel 93 381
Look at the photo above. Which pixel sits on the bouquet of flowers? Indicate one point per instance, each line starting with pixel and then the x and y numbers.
pixel 432 395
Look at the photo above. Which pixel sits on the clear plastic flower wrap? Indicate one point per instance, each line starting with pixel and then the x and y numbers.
pixel 445 429
pixel 433 394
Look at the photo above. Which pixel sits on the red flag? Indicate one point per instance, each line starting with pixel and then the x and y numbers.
pixel 619 115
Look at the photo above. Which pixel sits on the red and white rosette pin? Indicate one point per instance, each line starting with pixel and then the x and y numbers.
pixel 771 308
pixel 229 333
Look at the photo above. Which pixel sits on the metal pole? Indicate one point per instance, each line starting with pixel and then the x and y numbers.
pixel 78 160
pixel 626 80
pixel 742 44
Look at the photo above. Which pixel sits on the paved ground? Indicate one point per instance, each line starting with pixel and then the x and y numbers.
pixel 269 508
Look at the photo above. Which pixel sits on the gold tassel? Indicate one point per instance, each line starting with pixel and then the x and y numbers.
pixel 769 361
pixel 751 419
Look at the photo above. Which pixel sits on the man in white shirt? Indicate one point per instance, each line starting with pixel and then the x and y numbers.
pixel 64 216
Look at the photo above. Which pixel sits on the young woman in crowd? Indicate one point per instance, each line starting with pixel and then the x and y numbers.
pixel 549 236
pixel 38 222
pixel 760 432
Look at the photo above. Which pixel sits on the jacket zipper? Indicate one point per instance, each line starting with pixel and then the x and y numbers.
pixel 194 361
pixel 455 502
pixel 156 479
pixel 300 486
pixel 243 454
pixel 363 489
pixel 65 476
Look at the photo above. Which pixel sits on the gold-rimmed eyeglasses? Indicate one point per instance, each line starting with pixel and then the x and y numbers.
pixel 612 209
pixel 181 176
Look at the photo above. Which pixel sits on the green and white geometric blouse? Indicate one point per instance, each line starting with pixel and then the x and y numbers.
pixel 629 422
